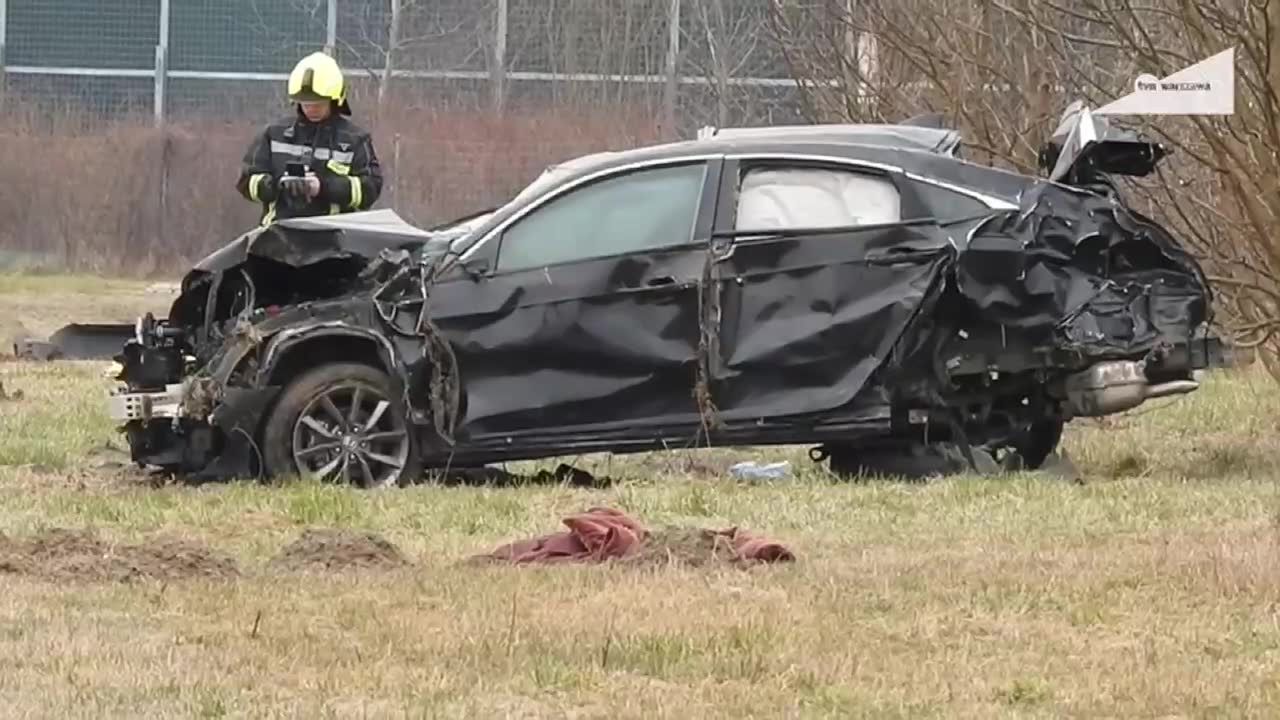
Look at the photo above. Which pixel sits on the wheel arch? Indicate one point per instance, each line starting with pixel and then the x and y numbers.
pixel 291 352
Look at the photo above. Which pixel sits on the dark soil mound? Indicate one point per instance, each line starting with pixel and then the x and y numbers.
pixel 696 547
pixel 339 550
pixel 75 555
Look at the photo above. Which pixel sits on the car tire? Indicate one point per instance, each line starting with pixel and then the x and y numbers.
pixel 343 423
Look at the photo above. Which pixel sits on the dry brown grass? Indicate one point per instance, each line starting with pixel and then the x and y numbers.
pixel 124 198
pixel 1148 591
pixel 34 306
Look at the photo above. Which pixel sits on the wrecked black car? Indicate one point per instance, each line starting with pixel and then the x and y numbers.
pixel 848 287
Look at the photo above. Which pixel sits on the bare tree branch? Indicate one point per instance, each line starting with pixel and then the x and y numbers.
pixel 996 66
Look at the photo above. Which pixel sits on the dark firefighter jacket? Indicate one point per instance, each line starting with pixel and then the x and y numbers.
pixel 337 150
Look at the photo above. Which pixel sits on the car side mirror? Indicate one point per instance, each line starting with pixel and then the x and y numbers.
pixel 476 267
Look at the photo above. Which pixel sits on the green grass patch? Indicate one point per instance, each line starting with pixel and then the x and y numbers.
pixel 1149 589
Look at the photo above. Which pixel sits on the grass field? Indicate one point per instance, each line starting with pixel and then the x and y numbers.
pixel 36 306
pixel 1150 589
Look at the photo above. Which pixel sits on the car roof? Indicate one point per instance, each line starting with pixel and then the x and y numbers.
pixel 940 140
pixel 934 140
pixel 845 139
pixel 927 151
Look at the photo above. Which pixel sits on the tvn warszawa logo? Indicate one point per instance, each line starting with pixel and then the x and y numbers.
pixel 1206 88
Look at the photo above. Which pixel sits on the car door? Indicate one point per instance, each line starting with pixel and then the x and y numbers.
pixel 588 320
pixel 816 275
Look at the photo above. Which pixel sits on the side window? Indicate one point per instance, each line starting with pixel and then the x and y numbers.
pixel 773 198
pixel 948 205
pixel 641 210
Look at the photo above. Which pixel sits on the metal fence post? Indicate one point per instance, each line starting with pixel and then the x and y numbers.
pixel 331 30
pixel 4 35
pixel 671 91
pixel 161 88
pixel 395 175
pixel 162 64
pixel 498 71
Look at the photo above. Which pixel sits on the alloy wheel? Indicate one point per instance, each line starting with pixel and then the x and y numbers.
pixel 351 433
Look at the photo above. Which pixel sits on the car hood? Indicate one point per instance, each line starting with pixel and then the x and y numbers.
pixel 304 241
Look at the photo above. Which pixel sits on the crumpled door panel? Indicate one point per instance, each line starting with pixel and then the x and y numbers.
pixel 609 342
pixel 805 320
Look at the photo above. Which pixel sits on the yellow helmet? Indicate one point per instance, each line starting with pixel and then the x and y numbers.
pixel 317 77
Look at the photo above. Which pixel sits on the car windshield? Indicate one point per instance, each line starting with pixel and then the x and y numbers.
pixel 545 179
pixel 461 229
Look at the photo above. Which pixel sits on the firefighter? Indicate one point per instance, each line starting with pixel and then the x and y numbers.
pixel 315 162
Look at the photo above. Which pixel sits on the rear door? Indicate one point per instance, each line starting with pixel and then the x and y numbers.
pixel 816 275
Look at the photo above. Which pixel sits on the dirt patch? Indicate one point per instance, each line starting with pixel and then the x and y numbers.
pixel 9 395
pixel 698 547
pixel 75 555
pixel 338 550
pixel 691 546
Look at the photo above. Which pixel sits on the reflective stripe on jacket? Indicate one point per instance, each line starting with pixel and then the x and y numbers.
pixel 337 150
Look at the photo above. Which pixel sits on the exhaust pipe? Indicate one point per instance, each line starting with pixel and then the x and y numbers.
pixel 1112 387
pixel 1171 388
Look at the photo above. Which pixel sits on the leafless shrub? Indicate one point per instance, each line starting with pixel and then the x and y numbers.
pixel 1002 71
pixel 127 198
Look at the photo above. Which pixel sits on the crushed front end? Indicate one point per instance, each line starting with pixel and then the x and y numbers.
pixel 180 404
pixel 196 389
pixel 193 387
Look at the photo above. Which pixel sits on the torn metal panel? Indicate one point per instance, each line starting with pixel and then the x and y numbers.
pixel 1086 147
pixel 1078 266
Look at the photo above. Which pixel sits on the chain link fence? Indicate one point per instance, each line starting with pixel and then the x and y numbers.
pixel 124 122
pixel 688 62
